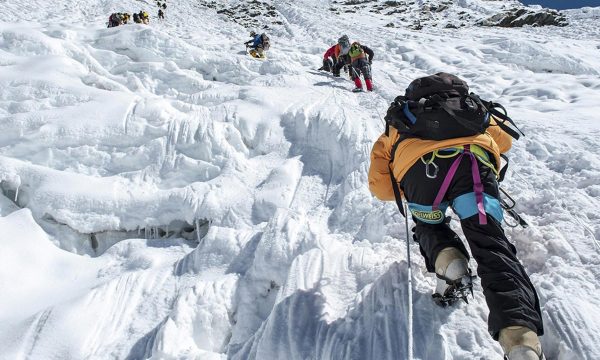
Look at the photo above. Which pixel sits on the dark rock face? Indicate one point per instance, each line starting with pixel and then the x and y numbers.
pixel 252 14
pixel 522 17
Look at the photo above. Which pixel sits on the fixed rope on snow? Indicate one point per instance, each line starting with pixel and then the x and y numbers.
pixel 409 330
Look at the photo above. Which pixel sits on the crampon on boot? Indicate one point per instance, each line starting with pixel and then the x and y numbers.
pixel 520 343
pixel 455 290
pixel 455 281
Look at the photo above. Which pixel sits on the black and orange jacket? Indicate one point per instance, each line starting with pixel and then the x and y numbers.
pixel 409 151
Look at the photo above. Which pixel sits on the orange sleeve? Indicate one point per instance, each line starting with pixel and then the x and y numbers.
pixel 502 139
pixel 380 184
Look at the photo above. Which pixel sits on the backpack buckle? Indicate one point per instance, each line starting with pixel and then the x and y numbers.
pixel 421 106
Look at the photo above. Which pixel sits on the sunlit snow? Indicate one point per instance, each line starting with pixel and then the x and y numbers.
pixel 166 196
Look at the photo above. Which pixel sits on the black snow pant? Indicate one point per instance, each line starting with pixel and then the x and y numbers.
pixel 341 61
pixel 328 64
pixel 360 66
pixel 511 298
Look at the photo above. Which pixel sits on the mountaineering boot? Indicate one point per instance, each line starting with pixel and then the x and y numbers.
pixel 358 85
pixel 520 343
pixel 454 277
pixel 369 84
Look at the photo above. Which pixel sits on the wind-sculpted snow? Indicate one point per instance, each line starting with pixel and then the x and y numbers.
pixel 374 323
pixel 140 139
pixel 213 206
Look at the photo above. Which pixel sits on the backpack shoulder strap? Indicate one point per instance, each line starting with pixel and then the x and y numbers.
pixel 395 187
pixel 502 172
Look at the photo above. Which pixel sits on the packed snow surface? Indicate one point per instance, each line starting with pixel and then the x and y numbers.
pixel 166 196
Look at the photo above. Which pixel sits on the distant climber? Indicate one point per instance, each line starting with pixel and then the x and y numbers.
pixel 340 53
pixel 115 19
pixel 144 18
pixel 161 14
pixel 258 44
pixel 442 148
pixel 332 54
pixel 361 59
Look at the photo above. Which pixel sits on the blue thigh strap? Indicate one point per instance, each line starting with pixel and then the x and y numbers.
pixel 464 206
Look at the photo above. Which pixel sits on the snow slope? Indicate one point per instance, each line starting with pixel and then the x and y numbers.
pixel 165 196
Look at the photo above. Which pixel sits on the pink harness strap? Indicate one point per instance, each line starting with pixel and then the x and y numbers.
pixel 477 185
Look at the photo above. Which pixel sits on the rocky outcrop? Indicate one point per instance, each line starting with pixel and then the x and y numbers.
pixel 449 14
pixel 253 14
pixel 522 17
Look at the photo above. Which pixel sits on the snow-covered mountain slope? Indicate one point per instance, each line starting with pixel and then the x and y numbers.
pixel 166 196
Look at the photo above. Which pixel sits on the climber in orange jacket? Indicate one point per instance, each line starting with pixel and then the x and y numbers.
pixel 419 160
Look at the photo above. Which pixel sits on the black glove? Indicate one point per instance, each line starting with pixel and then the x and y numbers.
pixel 395 114
pixel 392 112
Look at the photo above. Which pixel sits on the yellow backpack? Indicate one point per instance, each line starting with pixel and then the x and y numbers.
pixel 355 50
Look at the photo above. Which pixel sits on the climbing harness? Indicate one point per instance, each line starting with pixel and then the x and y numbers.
pixel 477 185
pixel 479 153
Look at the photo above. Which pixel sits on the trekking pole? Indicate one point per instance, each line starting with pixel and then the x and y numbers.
pixel 410 301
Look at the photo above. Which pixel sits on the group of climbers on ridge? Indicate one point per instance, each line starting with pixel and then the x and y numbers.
pixel 162 7
pixel 142 17
pixel 118 19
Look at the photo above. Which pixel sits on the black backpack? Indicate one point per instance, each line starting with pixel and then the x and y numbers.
pixel 266 43
pixel 440 107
